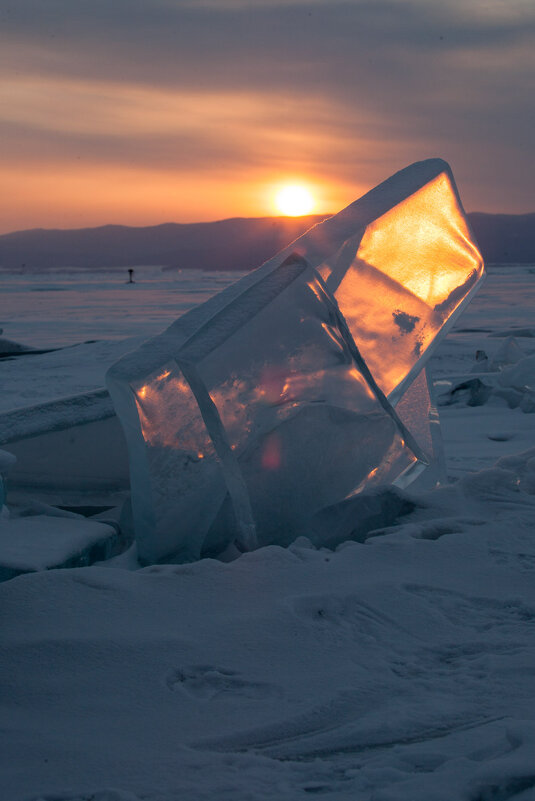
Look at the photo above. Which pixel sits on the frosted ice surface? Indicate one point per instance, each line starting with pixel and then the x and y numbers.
pixel 263 416
pixel 266 404
pixel 38 542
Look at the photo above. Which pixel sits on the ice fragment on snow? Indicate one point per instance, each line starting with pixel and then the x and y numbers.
pixel 39 542
pixel 267 404
pixel 509 352
pixel 256 438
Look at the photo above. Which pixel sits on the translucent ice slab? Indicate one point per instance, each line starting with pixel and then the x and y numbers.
pixel 266 404
pixel 263 416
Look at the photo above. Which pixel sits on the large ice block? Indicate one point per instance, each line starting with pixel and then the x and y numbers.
pixel 263 416
pixel 268 403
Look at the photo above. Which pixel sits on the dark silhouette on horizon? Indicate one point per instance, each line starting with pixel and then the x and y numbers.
pixel 234 244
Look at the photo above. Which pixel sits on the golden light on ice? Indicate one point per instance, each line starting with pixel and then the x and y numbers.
pixel 294 201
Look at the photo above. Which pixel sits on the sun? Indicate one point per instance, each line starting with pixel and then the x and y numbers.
pixel 294 201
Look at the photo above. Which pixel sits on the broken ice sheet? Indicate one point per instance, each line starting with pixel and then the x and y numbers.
pixel 269 401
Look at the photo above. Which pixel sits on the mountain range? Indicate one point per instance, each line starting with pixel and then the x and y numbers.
pixel 234 244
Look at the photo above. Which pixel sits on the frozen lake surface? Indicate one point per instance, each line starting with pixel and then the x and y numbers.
pixel 55 309
pixel 399 669
pixel 63 309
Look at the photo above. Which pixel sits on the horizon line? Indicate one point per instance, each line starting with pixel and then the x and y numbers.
pixel 323 215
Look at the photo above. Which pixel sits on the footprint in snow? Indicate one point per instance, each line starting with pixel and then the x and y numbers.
pixel 92 795
pixel 342 612
pixel 500 436
pixel 207 682
pixel 522 561
pixel 479 613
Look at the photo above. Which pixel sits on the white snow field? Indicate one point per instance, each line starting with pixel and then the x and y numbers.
pixel 399 668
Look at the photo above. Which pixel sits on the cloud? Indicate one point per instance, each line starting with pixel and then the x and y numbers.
pixel 268 45
pixel 342 91
pixel 114 123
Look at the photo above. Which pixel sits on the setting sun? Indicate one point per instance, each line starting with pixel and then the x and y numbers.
pixel 294 201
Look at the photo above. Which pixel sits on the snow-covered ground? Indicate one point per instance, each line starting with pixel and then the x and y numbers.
pixel 53 309
pixel 399 669
pixel 72 309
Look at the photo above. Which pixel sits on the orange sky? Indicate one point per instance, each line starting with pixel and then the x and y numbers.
pixel 114 111
pixel 87 188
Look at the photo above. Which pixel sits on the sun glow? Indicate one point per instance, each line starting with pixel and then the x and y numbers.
pixel 294 201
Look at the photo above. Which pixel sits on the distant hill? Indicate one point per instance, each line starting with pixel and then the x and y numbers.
pixel 235 244
pixel 505 237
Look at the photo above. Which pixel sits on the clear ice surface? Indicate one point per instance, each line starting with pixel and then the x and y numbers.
pixel 302 384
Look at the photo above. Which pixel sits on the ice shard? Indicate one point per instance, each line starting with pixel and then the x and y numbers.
pixel 277 398
pixel 418 411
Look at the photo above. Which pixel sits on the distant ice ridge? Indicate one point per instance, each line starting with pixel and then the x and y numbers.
pixel 300 385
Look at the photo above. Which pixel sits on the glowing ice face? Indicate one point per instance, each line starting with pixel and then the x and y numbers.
pixel 404 278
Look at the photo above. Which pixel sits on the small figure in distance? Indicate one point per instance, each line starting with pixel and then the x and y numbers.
pixel 130 276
